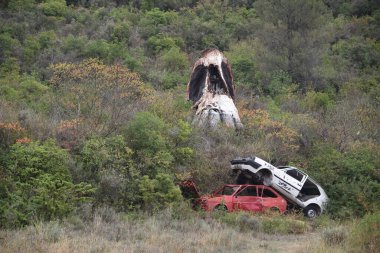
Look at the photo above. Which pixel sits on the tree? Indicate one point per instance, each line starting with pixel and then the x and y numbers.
pixel 294 37
pixel 38 185
pixel 107 163
pixel 146 134
pixel 91 96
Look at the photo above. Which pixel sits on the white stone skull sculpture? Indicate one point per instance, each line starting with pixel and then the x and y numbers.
pixel 212 91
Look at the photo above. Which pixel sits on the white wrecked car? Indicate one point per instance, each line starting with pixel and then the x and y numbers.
pixel 295 185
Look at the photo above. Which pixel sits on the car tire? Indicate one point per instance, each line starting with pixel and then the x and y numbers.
pixel 221 208
pixel 311 211
pixel 274 210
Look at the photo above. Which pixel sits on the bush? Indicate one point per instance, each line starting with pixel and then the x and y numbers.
pixel 38 185
pixel 107 163
pixel 159 192
pixel 280 225
pixel 56 8
pixel 334 236
pixel 365 237
pixel 350 179
pixel 161 42
pixel 21 4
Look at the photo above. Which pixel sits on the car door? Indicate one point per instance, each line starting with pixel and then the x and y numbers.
pixel 270 198
pixel 247 199
pixel 294 180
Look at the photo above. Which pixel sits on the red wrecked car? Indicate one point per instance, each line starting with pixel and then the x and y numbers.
pixel 231 197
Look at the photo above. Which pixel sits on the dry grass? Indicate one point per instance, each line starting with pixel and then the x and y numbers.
pixel 157 233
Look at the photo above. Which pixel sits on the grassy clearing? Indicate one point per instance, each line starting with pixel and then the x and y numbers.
pixel 173 231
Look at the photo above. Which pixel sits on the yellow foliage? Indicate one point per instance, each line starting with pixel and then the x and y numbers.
pixel 279 137
pixel 98 76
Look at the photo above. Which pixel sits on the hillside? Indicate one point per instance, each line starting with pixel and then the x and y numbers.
pixel 94 111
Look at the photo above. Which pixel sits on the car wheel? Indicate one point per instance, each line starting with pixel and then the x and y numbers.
pixel 274 210
pixel 311 211
pixel 221 208
pixel 265 177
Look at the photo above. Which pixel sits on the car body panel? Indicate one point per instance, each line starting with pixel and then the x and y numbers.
pixel 253 198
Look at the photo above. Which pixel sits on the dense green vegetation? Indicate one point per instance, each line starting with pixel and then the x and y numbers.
pixel 93 106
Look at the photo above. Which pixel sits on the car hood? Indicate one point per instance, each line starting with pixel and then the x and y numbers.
pixel 189 190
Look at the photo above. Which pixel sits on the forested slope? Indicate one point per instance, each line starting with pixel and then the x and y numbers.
pixel 93 107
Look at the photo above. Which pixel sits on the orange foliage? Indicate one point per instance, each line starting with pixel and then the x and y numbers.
pixel 13 126
pixel 23 140
pixel 69 124
pixel 10 133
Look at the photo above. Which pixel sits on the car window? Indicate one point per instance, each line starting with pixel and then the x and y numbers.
pixel 295 174
pixel 248 191
pixel 227 190
pixel 267 193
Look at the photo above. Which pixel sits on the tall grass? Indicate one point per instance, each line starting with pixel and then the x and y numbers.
pixel 171 230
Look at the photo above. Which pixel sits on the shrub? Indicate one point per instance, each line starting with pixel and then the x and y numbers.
pixel 317 101
pixel 161 42
pixel 279 225
pixel 241 58
pixel 107 163
pixel 21 4
pixel 159 192
pixel 147 132
pixel 365 237
pixel 38 185
pixel 335 235
pixel 350 179
pixel 56 8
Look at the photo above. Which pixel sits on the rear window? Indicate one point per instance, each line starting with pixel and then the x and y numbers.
pixel 248 191
pixel 267 193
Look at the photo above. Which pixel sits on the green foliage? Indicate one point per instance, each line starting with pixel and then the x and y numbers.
pixel 121 32
pixel 307 92
pixel 31 47
pixel 154 19
pixel 351 179
pixel 73 43
pixel 242 60
pixel 107 163
pixel 27 161
pixel 98 49
pixel 284 226
pixel 292 38
pixel 279 83
pixel 8 44
pixel 317 101
pixel 24 91
pixel 19 5
pixel 159 192
pixel 55 8
pixel 38 184
pixel 147 133
pixel 174 60
pixel 365 235
pixel 47 39
pixel 360 52
pixel 162 42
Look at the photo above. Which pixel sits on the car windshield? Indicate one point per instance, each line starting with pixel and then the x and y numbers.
pixel 227 190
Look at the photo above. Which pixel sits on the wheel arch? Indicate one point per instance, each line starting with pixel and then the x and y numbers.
pixel 266 174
